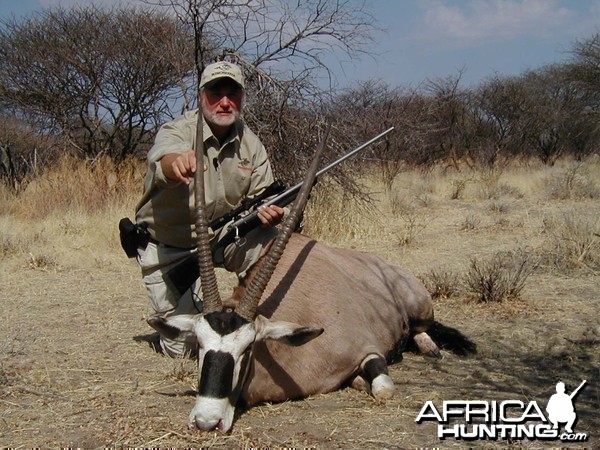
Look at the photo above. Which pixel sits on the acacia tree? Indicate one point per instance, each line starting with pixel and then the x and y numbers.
pixel 101 78
pixel 583 72
pixel 372 107
pixel 500 105
pixel 447 121
pixel 552 107
pixel 287 41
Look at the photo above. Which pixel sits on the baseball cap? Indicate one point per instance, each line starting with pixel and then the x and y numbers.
pixel 222 69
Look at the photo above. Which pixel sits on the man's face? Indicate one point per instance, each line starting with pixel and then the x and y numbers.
pixel 222 102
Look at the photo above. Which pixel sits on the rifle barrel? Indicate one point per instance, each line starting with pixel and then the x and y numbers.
pixel 330 166
pixel 290 193
pixel 353 152
pixel 574 393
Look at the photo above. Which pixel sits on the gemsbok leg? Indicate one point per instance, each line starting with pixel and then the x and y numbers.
pixel 426 345
pixel 374 377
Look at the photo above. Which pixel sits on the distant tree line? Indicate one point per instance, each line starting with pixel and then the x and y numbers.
pixel 96 81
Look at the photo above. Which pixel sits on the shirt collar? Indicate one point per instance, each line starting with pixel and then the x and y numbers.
pixel 234 135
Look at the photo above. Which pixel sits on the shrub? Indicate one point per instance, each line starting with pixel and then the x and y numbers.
pixel 441 283
pixel 572 182
pixel 471 222
pixel 411 224
pixel 500 278
pixel 498 207
pixel 458 187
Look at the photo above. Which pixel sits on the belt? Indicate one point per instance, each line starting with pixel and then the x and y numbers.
pixel 161 244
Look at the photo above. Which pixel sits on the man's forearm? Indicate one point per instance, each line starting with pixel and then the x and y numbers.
pixel 179 166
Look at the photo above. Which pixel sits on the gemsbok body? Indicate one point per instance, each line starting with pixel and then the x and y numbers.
pixel 304 321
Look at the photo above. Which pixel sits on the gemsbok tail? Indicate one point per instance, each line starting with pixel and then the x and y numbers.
pixel 451 339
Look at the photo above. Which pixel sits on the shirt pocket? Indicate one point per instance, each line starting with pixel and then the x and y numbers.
pixel 237 183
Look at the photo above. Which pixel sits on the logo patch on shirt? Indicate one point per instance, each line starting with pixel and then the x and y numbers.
pixel 245 164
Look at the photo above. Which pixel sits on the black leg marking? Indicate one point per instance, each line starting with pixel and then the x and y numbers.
pixel 373 368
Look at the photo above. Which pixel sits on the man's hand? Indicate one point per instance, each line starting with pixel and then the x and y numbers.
pixel 270 215
pixel 179 166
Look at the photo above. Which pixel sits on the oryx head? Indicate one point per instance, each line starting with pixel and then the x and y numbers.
pixel 226 335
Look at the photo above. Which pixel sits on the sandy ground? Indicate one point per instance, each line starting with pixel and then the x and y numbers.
pixel 77 368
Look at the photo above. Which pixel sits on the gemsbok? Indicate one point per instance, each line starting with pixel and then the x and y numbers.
pixel 306 320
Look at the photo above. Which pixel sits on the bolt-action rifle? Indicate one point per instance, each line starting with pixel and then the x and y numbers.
pixel 241 225
pixel 273 189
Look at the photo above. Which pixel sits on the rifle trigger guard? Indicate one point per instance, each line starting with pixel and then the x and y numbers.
pixel 237 239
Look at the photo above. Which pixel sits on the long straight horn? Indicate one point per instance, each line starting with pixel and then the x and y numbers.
pixel 249 302
pixel 210 290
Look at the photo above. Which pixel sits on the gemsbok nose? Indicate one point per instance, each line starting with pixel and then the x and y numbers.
pixel 207 426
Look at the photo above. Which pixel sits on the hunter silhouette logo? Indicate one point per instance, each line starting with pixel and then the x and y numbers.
pixel 560 407
pixel 508 419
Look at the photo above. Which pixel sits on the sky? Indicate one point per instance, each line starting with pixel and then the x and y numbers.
pixel 435 38
pixel 431 39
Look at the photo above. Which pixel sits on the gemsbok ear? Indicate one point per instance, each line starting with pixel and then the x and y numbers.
pixel 174 326
pixel 285 332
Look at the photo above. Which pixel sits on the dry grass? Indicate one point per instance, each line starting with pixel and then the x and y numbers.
pixel 73 185
pixel 77 370
pixel 572 242
pixel 334 214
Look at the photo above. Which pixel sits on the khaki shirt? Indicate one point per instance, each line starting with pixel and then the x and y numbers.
pixel 238 169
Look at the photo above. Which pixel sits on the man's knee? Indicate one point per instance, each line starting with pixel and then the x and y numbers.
pixel 239 258
pixel 179 348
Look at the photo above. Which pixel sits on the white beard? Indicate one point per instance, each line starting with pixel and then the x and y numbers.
pixel 220 120
pixel 216 119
